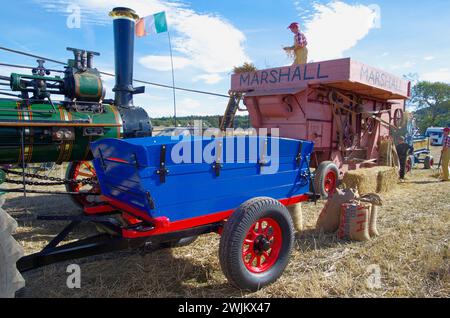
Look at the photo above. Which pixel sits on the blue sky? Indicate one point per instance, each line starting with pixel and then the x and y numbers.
pixel 210 37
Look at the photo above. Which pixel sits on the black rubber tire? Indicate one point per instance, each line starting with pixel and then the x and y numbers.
pixel 427 163
pixel 180 242
pixel 234 233
pixel 319 177
pixel 10 252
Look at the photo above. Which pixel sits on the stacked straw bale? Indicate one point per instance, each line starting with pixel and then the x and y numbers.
pixel 371 180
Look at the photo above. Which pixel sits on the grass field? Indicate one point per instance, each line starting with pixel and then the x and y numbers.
pixel 412 255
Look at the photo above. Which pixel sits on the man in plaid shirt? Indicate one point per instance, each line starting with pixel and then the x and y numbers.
pixel 445 155
pixel 300 43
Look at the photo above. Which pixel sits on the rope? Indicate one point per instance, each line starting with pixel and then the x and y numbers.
pixel 112 75
pixel 28 67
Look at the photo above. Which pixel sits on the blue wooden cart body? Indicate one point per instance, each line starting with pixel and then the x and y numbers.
pixel 144 174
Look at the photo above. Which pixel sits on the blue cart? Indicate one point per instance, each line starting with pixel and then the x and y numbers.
pixel 165 191
pixel 420 153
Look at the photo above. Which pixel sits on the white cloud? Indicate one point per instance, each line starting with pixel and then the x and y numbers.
pixel 189 103
pixel 441 75
pixel 336 27
pixel 404 65
pixel 208 40
pixel 208 78
pixel 163 63
pixel 429 58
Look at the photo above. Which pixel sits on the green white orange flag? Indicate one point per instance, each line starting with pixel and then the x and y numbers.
pixel 153 24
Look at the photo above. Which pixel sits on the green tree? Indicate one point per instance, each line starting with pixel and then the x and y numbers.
pixel 432 102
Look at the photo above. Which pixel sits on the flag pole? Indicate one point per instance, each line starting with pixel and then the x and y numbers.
pixel 173 81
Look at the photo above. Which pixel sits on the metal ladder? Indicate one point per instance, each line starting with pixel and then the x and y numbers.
pixel 230 112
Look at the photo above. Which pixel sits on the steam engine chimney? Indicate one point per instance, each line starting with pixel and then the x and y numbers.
pixel 124 29
pixel 135 120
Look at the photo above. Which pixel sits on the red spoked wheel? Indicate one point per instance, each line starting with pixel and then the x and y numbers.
pixel 262 245
pixel 330 182
pixel 326 179
pixel 83 170
pixel 256 243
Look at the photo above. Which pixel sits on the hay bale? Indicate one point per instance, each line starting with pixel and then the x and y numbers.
pixel 370 180
pixel 297 216
pixel 387 179
pixel 384 153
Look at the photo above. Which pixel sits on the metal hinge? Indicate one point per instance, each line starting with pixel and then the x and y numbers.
pixel 150 200
pixel 217 165
pixel 162 171
pixel 299 156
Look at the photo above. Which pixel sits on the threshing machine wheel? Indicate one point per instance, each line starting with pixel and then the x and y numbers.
pixel 10 252
pixel 428 162
pixel 82 170
pixel 326 178
pixel 256 243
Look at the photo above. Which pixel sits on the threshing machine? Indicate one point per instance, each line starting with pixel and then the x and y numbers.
pixel 343 106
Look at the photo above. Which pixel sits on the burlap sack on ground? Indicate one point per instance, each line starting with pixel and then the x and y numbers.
pixel 354 221
pixel 376 202
pixel 328 220
pixel 373 229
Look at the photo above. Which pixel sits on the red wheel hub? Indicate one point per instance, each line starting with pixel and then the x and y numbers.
pixel 330 182
pixel 262 245
pixel 83 170
pixel 431 162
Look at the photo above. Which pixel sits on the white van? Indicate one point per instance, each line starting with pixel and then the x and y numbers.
pixel 436 135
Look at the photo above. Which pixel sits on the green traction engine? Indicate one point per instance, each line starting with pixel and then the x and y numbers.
pixel 35 128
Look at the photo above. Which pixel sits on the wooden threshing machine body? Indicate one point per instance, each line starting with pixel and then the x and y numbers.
pixel 343 106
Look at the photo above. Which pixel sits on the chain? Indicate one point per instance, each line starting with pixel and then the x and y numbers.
pixel 54 181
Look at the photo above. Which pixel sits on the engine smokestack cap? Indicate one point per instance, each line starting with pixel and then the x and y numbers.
pixel 124 13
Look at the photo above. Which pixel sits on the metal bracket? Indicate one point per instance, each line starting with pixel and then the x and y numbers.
pixel 217 165
pixel 299 156
pixel 136 162
pixel 162 171
pixel 102 160
pixel 262 160
pixel 150 200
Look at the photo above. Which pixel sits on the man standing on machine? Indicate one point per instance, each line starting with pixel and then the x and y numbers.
pixel 300 50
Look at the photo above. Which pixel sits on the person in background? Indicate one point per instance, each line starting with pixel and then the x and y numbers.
pixel 403 151
pixel 300 50
pixel 445 154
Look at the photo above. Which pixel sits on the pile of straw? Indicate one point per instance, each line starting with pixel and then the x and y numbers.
pixel 370 180
pixel 245 68
pixel 387 153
